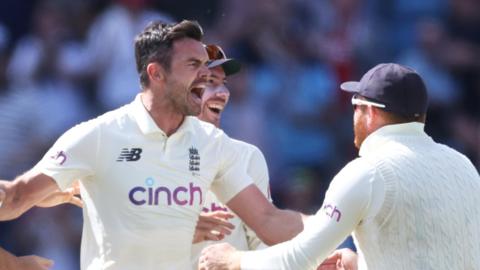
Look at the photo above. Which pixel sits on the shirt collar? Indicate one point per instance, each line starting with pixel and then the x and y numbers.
pixel 383 134
pixel 146 123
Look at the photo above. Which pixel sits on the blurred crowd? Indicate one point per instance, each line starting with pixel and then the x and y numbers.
pixel 62 62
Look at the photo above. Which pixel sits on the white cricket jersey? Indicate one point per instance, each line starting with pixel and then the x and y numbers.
pixel 242 237
pixel 143 191
pixel 412 204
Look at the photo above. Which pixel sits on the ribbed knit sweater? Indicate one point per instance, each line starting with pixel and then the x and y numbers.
pixel 411 203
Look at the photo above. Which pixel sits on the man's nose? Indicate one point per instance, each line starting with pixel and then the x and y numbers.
pixel 204 72
pixel 223 92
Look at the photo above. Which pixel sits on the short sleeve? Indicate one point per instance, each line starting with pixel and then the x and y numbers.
pixel 232 176
pixel 258 170
pixel 73 156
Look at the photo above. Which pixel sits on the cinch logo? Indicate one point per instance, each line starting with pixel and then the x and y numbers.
pixel 151 195
pixel 130 155
pixel 331 211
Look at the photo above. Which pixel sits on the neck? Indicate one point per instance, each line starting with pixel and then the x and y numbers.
pixel 166 117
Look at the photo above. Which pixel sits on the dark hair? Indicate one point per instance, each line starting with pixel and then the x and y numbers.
pixel 155 43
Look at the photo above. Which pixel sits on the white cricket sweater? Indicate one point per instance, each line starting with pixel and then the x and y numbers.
pixel 412 204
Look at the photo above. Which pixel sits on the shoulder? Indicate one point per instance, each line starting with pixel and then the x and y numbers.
pixel 357 172
pixel 205 129
pixel 110 120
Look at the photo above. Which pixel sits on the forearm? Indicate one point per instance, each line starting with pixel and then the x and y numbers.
pixel 23 193
pixel 281 226
pixel 11 205
pixel 306 251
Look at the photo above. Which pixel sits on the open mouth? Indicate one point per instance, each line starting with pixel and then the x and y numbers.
pixel 215 108
pixel 198 90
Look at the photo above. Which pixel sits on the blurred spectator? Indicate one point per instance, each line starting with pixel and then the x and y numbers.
pixel 18 120
pixel 109 55
pixel 427 57
pixel 34 66
pixel 78 57
pixel 463 51
pixel 245 115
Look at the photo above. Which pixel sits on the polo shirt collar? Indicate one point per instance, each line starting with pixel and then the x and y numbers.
pixel 384 134
pixel 146 123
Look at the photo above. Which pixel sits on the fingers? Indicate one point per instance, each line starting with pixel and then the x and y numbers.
pixel 76 201
pixel 2 196
pixel 217 218
pixel 220 214
pixel 44 262
pixel 209 223
pixel 213 226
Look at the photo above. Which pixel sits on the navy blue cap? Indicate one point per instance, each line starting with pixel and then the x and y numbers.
pixel 398 87
pixel 230 66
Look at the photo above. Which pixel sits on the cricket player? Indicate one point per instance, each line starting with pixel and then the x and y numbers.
pixel 412 203
pixel 145 168
pixel 214 100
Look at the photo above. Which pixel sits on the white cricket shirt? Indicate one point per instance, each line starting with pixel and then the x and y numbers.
pixel 412 204
pixel 143 191
pixel 242 237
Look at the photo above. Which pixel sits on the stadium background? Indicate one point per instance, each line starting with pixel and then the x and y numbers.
pixel 64 61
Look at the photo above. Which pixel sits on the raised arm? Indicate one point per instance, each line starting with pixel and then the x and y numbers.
pixel 25 192
pixel 346 204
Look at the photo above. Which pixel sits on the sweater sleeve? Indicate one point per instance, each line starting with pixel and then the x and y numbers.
pixel 346 203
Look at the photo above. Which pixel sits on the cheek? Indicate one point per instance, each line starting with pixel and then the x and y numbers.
pixel 207 94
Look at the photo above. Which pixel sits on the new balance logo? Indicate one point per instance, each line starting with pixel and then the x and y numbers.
pixel 132 154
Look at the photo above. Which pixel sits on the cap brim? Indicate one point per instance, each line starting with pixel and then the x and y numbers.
pixel 350 86
pixel 230 66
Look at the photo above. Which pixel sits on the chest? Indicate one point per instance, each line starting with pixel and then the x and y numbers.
pixel 159 172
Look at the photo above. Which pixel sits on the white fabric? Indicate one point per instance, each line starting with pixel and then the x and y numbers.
pixel 242 237
pixel 141 208
pixel 412 204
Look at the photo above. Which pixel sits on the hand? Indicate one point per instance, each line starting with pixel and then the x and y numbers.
pixel 33 262
pixel 61 197
pixel 213 226
pixel 220 257
pixel 341 259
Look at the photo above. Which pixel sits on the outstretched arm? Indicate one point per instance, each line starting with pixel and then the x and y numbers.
pixel 61 197
pixel 346 204
pixel 271 224
pixel 24 192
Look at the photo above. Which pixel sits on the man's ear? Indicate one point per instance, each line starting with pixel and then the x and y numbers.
pixel 156 73
pixel 372 115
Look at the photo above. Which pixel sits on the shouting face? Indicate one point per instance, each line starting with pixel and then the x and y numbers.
pixel 215 97
pixel 187 77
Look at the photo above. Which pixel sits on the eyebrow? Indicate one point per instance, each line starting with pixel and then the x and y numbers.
pixel 195 60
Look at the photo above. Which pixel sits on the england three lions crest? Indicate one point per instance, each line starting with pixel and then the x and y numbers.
pixel 194 160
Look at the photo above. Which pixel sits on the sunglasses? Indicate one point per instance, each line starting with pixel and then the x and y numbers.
pixel 356 101
pixel 214 52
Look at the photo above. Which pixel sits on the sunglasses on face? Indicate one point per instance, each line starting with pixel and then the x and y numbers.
pixel 356 101
pixel 214 52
